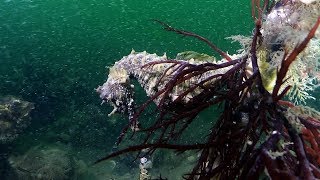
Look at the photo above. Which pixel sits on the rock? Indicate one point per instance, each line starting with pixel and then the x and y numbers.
pixel 43 163
pixel 14 117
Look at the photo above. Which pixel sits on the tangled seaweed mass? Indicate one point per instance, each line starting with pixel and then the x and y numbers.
pixel 258 133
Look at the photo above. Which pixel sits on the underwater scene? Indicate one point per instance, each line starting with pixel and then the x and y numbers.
pixel 159 90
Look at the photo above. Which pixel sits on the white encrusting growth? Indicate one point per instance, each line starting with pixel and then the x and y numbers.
pixel 283 29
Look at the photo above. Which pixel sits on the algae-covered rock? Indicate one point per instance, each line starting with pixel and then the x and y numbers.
pixel 14 117
pixel 43 163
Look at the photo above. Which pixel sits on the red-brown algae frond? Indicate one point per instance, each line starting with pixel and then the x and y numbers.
pixel 191 34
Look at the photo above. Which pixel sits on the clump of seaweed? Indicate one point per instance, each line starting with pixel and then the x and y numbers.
pixel 258 133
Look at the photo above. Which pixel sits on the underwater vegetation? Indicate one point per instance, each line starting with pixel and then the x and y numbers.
pixel 259 132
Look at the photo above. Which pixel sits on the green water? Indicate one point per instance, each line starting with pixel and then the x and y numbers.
pixel 54 53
